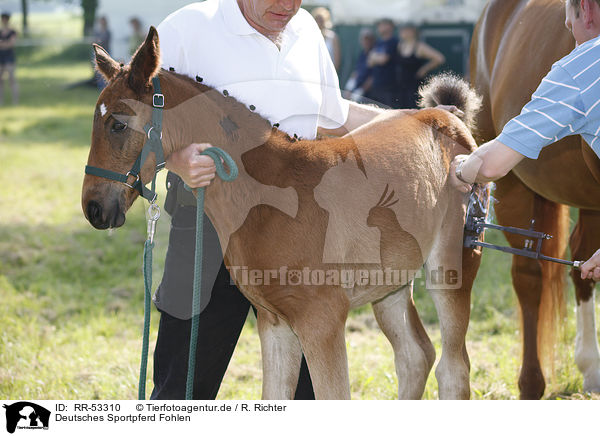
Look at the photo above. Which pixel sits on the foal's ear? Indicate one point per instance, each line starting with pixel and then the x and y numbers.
pixel 145 63
pixel 106 65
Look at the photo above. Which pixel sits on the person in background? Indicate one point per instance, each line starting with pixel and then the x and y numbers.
pixel 323 18
pixel 382 60
pixel 102 37
pixel 137 35
pixel 361 80
pixel 414 61
pixel 8 37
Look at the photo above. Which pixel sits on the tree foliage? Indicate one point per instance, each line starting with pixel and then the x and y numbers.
pixel 25 11
pixel 89 15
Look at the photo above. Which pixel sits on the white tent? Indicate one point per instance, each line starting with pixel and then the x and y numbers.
pixel 401 11
pixel 119 12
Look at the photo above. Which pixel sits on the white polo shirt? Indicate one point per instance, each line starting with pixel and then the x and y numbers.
pixel 295 86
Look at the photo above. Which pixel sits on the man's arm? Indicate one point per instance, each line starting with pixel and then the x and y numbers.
pixel 556 110
pixel 377 58
pixel 358 114
pixel 9 43
pixel 489 162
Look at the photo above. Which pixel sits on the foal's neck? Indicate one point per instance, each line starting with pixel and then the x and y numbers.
pixel 200 114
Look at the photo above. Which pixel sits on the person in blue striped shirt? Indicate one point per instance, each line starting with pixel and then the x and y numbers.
pixel 567 102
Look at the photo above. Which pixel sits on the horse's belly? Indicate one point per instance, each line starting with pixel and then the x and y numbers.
pixel 546 176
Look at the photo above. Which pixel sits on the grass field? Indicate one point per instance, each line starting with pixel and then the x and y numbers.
pixel 72 297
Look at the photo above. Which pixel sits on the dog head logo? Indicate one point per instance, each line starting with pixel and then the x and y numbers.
pixel 24 415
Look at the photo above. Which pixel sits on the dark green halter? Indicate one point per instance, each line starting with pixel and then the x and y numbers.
pixel 153 145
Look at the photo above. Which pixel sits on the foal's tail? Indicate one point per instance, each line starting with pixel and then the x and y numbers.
pixel 449 89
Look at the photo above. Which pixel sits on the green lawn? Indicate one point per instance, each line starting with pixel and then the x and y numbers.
pixel 72 297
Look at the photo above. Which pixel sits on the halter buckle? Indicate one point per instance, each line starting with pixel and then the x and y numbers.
pixel 158 101
pixel 137 179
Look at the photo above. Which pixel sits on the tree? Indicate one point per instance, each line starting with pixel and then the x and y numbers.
pixel 89 15
pixel 25 11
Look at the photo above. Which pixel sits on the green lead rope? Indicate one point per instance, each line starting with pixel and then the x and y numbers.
pixel 216 154
pixel 148 246
pixel 221 159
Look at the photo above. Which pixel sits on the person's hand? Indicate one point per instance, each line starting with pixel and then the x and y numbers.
pixel 196 170
pixel 455 182
pixel 452 109
pixel 591 268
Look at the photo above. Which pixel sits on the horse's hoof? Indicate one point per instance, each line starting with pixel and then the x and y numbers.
pixel 591 382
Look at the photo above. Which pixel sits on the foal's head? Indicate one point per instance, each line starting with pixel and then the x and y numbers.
pixel 117 135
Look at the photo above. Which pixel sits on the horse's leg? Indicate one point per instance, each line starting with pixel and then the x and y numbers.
pixel 451 271
pixel 516 206
pixel 319 321
pixel 414 354
pixel 281 357
pixel 584 242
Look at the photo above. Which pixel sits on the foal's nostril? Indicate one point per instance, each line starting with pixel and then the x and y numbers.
pixel 94 213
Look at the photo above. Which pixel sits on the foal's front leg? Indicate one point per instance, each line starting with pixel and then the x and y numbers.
pixel 320 326
pixel 281 357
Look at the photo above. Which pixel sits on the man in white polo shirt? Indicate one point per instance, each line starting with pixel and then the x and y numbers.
pixel 270 55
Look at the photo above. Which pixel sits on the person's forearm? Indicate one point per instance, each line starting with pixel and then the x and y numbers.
pixel 489 162
pixel 429 66
pixel 358 114
pixel 376 59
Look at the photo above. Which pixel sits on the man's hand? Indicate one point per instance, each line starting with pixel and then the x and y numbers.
pixel 460 185
pixel 196 170
pixel 591 268
pixel 452 109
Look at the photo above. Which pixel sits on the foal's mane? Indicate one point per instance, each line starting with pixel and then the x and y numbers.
pixel 302 152
pixel 229 104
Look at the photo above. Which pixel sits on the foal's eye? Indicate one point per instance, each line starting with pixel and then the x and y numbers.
pixel 118 126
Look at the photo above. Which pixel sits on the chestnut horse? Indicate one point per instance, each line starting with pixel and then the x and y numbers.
pixel 514 46
pixel 307 213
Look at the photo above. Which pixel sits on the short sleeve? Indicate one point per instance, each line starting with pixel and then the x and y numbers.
pixel 334 109
pixel 556 110
pixel 171 49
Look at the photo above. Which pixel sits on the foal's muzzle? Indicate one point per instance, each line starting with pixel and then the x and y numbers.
pixel 104 218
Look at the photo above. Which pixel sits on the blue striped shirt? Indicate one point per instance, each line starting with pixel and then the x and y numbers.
pixel 567 102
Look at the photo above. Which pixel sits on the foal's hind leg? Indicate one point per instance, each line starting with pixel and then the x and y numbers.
pixel 584 241
pixel 451 272
pixel 281 357
pixel 414 354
